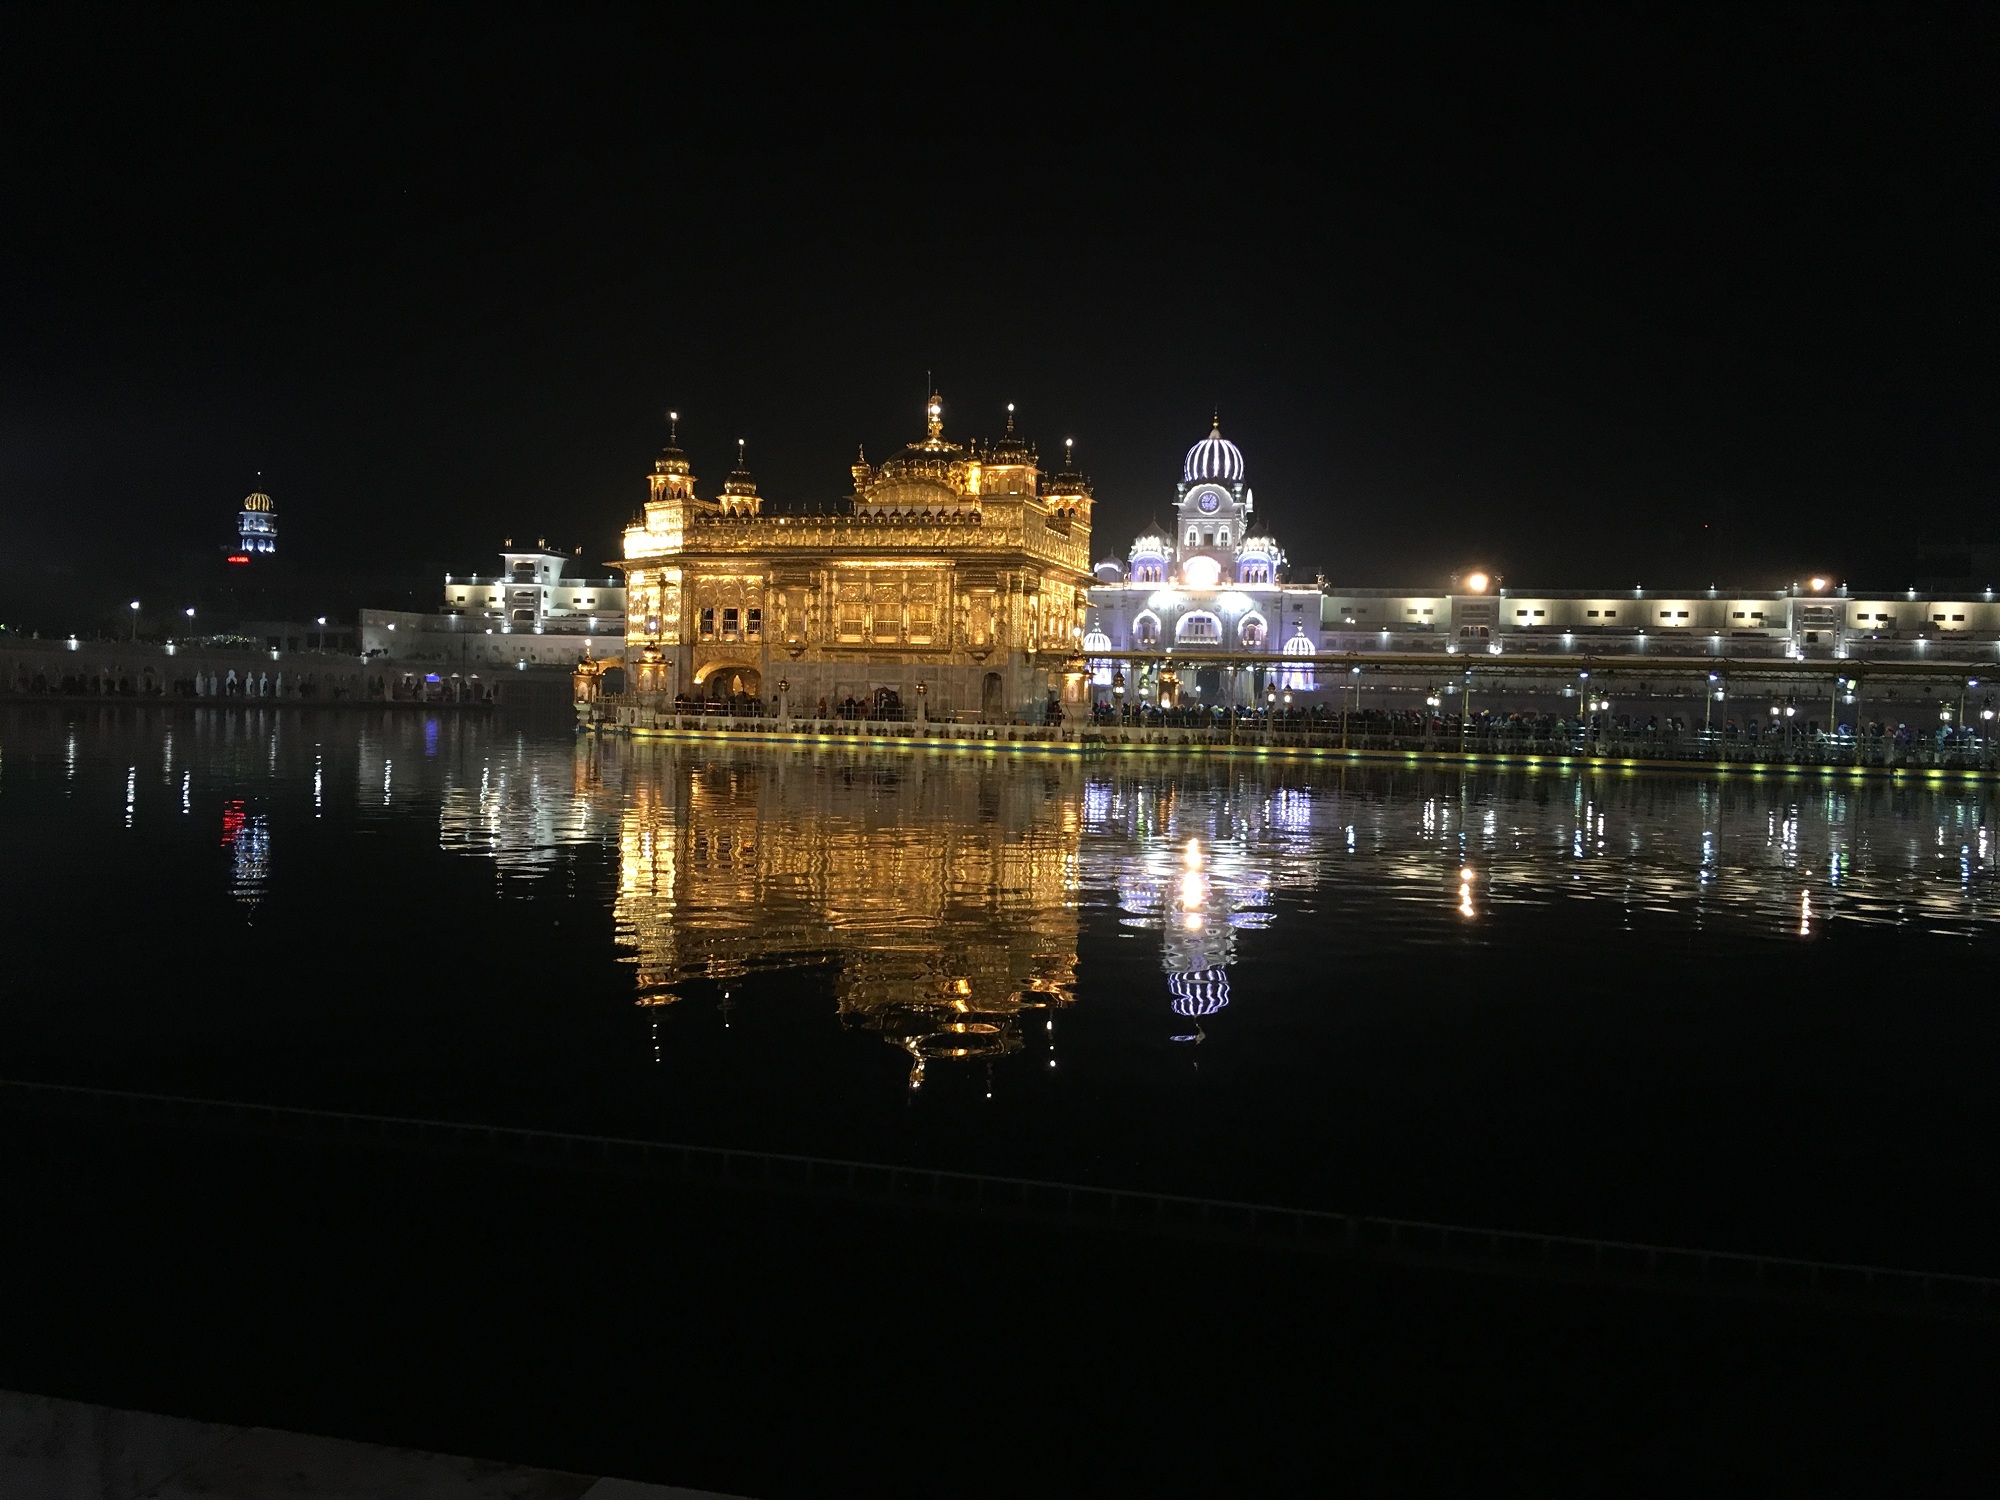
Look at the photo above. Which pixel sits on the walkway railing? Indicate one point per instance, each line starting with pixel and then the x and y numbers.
pixel 1360 1236
pixel 1966 752
pixel 1802 749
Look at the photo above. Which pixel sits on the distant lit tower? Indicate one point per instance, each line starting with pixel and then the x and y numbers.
pixel 257 525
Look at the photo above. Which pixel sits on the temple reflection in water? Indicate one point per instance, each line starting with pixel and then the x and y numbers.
pixel 945 894
pixel 1197 871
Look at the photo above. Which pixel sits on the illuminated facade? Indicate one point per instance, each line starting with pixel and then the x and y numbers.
pixel 257 525
pixel 530 613
pixel 951 581
pixel 530 592
pixel 1212 582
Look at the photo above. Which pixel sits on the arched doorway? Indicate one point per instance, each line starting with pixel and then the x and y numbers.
pixel 731 682
pixel 992 698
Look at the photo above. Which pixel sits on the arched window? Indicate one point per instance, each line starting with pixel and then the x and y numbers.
pixel 1300 677
pixel 1252 632
pixel 1194 535
pixel 1199 628
pixel 1146 629
pixel 1100 670
pixel 1222 535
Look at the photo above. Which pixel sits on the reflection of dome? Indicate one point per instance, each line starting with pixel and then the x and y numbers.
pixel 1201 993
pixel 1214 457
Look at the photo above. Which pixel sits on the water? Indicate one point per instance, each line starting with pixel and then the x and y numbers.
pixel 1753 1014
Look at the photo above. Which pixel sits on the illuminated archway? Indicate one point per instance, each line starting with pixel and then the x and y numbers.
pixel 728 680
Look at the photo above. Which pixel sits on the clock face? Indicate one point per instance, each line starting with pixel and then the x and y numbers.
pixel 1209 502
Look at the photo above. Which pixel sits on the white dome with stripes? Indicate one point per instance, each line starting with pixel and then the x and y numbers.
pixel 1214 457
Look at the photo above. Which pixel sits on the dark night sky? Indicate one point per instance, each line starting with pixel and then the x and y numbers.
pixel 1547 290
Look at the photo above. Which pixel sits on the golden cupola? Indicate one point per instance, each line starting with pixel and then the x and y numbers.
pixel 929 476
pixel 739 491
pixel 672 477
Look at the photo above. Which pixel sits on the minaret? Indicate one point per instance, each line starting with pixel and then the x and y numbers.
pixel 1009 467
pixel 672 477
pixel 739 490
pixel 257 524
pixel 670 496
pixel 1068 491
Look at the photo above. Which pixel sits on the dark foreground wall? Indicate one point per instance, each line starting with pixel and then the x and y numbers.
pixel 777 1346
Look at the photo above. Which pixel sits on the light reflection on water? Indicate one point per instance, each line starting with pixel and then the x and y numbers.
pixel 946 896
pixel 1747 1012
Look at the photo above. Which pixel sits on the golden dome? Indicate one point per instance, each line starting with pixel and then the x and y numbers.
pixel 926 475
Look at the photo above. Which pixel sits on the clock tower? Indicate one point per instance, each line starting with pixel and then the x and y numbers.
pixel 1213 510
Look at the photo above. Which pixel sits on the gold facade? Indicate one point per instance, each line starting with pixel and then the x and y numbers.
pixel 954 576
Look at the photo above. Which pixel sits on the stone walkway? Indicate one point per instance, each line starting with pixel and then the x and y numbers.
pixel 63 1450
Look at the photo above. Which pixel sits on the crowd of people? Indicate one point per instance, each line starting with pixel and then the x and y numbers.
pixel 1668 734
pixel 113 682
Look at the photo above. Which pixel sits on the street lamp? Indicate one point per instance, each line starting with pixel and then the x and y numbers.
pixel 135 619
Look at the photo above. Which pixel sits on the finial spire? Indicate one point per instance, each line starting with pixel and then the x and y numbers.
pixel 1010 419
pixel 936 416
pixel 674 427
pixel 739 451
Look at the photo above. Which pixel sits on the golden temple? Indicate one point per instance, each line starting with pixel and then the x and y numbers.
pixel 952 583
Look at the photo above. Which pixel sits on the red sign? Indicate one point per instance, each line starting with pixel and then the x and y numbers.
pixel 239 557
